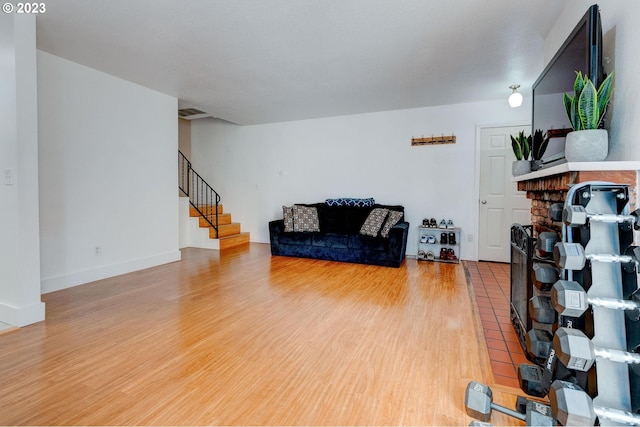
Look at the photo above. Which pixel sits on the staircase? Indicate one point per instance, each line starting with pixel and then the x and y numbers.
pixel 229 234
pixel 203 221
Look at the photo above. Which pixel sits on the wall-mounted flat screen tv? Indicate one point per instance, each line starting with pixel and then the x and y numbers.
pixel 582 51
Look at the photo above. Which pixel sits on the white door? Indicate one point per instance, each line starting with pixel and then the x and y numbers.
pixel 500 203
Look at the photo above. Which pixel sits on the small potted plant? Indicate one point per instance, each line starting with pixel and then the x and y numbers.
pixel 586 110
pixel 539 142
pixel 521 145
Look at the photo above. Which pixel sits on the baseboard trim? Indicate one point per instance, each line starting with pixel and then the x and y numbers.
pixel 22 316
pixel 56 283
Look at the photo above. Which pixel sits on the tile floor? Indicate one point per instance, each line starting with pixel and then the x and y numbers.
pixel 490 282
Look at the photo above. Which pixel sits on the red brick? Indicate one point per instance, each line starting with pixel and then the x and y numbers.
pixel 507 381
pixel 496 344
pixel 504 369
pixel 499 355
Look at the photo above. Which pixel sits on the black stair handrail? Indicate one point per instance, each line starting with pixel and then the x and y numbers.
pixel 201 195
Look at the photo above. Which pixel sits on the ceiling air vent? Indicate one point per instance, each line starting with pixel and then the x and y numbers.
pixel 192 113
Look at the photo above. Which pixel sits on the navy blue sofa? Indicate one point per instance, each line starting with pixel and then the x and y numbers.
pixel 339 238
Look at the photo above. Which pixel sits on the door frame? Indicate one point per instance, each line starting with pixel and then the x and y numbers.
pixel 479 129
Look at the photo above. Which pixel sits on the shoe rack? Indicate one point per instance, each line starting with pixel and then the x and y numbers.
pixel 438 244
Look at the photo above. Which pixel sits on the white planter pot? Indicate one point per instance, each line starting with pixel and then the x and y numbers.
pixel 587 145
pixel 520 167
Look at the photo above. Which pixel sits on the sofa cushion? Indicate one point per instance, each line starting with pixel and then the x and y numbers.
pixel 305 218
pixel 392 219
pixel 356 217
pixel 331 240
pixel 303 239
pixel 333 219
pixel 367 243
pixel 398 208
pixel 373 223
pixel 350 201
pixel 287 214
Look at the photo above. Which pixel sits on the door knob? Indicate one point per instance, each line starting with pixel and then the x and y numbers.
pixel 484 202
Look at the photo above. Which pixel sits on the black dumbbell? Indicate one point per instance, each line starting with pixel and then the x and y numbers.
pixel 571 406
pixel 478 402
pixel 530 380
pixel 545 242
pixel 555 212
pixel 538 343
pixel 536 380
pixel 570 299
pixel 577 215
pixel 578 352
pixel 545 276
pixel 541 310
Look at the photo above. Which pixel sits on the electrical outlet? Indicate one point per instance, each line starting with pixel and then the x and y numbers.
pixel 8 177
pixel 98 250
pixel 470 238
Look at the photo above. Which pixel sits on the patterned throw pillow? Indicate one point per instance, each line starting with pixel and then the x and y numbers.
pixel 392 219
pixel 287 213
pixel 305 218
pixel 374 221
pixel 350 201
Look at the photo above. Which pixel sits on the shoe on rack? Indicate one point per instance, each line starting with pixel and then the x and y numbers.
pixel 431 240
pixel 452 238
pixel 423 238
pixel 443 224
pixel 444 253
pixel 443 239
pixel 450 224
pixel 433 223
pixel 425 222
pixel 451 255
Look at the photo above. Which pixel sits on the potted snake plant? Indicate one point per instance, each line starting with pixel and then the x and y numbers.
pixel 586 109
pixel 521 145
pixel 539 142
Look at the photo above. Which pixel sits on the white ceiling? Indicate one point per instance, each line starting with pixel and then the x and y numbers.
pixel 260 61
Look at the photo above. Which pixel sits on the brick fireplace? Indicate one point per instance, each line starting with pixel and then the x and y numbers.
pixel 548 186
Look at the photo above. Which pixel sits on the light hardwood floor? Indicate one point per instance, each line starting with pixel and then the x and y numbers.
pixel 243 338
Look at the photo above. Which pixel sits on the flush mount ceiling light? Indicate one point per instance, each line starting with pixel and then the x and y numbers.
pixel 515 99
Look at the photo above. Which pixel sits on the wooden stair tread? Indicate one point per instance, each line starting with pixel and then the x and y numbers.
pixel 194 212
pixel 234 240
pixel 223 219
pixel 225 230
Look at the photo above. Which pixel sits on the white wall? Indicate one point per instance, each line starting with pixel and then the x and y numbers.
pixel 19 249
pixel 257 169
pixel 621 35
pixel 108 174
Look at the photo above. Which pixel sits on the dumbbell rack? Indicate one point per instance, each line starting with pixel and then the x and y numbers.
pixel 611 384
pixel 607 270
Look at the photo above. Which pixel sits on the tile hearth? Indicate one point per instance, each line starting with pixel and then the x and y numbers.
pixel 490 282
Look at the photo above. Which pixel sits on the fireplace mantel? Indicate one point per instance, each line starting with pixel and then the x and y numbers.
pixel 581 167
pixel 547 186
